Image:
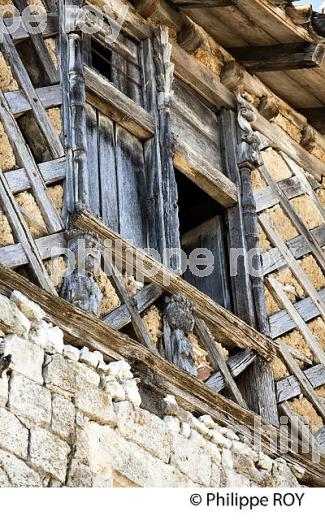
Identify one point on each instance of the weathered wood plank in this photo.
(14, 255)
(236, 364)
(50, 97)
(93, 159)
(19, 32)
(117, 106)
(306, 387)
(52, 172)
(273, 260)
(226, 326)
(292, 263)
(289, 387)
(282, 299)
(120, 317)
(294, 218)
(107, 173)
(23, 235)
(214, 350)
(41, 117)
(279, 57)
(82, 329)
(25, 158)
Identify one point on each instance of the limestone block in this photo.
(282, 476)
(60, 375)
(19, 474)
(3, 389)
(12, 320)
(217, 438)
(30, 400)
(215, 475)
(200, 427)
(71, 352)
(207, 421)
(33, 311)
(131, 391)
(120, 370)
(185, 430)
(229, 434)
(48, 337)
(245, 466)
(191, 459)
(264, 461)
(4, 480)
(27, 358)
(108, 449)
(115, 390)
(63, 417)
(229, 478)
(103, 368)
(13, 435)
(79, 475)
(92, 359)
(87, 373)
(227, 459)
(243, 449)
(143, 428)
(172, 423)
(95, 404)
(49, 453)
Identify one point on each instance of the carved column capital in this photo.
(248, 153)
(164, 67)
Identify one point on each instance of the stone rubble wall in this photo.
(69, 419)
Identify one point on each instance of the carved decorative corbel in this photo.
(164, 67)
(248, 148)
(178, 322)
(80, 287)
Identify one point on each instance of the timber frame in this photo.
(244, 134)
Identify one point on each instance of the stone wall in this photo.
(69, 419)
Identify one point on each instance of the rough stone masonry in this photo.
(69, 419)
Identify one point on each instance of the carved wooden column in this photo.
(257, 383)
(80, 286)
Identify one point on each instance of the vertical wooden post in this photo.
(79, 286)
(257, 383)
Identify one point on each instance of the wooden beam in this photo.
(227, 327)
(203, 174)
(286, 56)
(51, 171)
(281, 322)
(316, 117)
(18, 31)
(289, 387)
(116, 105)
(236, 364)
(14, 255)
(203, 4)
(83, 329)
(50, 97)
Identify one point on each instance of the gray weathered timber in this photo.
(240, 281)
(290, 387)
(26, 160)
(52, 172)
(228, 328)
(82, 329)
(14, 255)
(294, 218)
(298, 246)
(117, 106)
(306, 387)
(282, 299)
(195, 4)
(286, 56)
(209, 236)
(131, 186)
(41, 117)
(107, 173)
(92, 160)
(120, 317)
(126, 70)
(236, 364)
(214, 350)
(50, 97)
(20, 33)
(281, 322)
(292, 263)
(23, 235)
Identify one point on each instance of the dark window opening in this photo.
(101, 59)
(203, 238)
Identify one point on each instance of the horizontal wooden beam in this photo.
(204, 175)
(281, 323)
(316, 117)
(203, 4)
(50, 97)
(52, 172)
(286, 56)
(14, 255)
(227, 327)
(289, 387)
(110, 101)
(84, 329)
(18, 31)
(236, 364)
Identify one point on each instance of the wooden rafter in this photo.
(289, 387)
